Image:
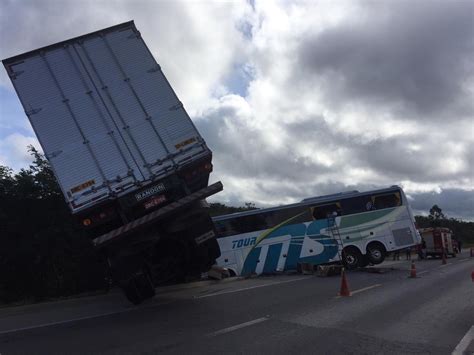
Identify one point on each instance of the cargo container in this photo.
(131, 164)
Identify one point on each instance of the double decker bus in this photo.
(359, 227)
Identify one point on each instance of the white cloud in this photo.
(14, 152)
(340, 95)
(195, 43)
(312, 127)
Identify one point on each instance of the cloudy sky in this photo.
(295, 99)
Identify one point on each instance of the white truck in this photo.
(132, 166)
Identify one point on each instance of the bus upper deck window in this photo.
(323, 212)
(356, 204)
(386, 201)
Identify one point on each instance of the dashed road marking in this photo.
(366, 288)
(51, 324)
(363, 289)
(238, 326)
(250, 288)
(464, 343)
(73, 320)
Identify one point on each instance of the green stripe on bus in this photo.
(351, 221)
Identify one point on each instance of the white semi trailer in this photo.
(131, 164)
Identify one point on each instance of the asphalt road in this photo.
(388, 313)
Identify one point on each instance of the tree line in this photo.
(44, 253)
(462, 230)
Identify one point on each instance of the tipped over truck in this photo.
(132, 166)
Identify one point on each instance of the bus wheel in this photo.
(351, 258)
(376, 253)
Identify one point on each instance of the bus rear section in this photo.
(362, 228)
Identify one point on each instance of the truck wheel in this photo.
(131, 292)
(170, 263)
(139, 288)
(351, 258)
(376, 253)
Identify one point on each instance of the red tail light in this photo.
(97, 217)
(200, 169)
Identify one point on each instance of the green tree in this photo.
(43, 252)
(436, 216)
(218, 209)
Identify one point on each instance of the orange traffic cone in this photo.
(472, 276)
(345, 292)
(443, 260)
(413, 270)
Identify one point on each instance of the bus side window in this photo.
(251, 223)
(322, 212)
(356, 205)
(386, 200)
(293, 215)
(224, 228)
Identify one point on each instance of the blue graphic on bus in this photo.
(323, 246)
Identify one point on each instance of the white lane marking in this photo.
(423, 272)
(44, 325)
(461, 260)
(464, 343)
(363, 289)
(250, 288)
(67, 321)
(238, 326)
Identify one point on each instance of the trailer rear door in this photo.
(104, 113)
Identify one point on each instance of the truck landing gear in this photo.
(139, 288)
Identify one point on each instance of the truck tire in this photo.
(131, 293)
(351, 258)
(139, 288)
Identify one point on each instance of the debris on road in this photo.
(218, 273)
(329, 270)
(306, 268)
